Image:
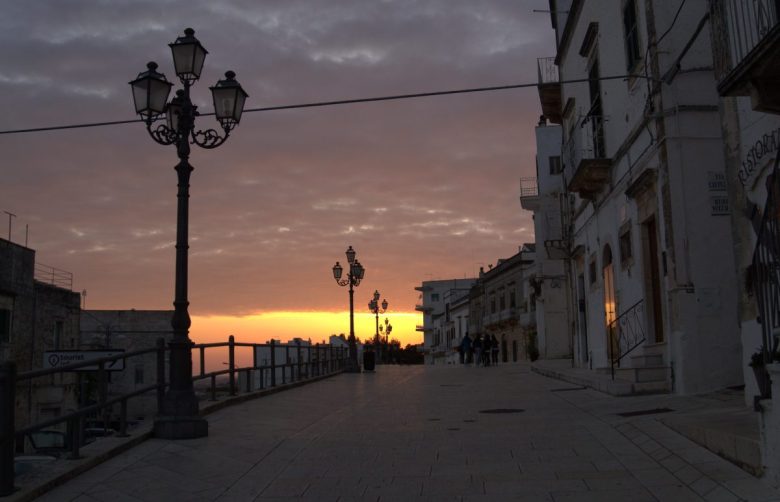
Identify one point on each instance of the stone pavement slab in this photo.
(425, 433)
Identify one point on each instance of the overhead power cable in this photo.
(331, 103)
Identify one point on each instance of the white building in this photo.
(547, 197)
(433, 307)
(746, 47)
(651, 243)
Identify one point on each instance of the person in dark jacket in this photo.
(494, 349)
(486, 346)
(465, 349)
(477, 350)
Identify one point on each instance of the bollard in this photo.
(213, 387)
(298, 357)
(273, 363)
(160, 373)
(232, 364)
(7, 408)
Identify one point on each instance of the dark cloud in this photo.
(422, 188)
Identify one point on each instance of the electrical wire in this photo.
(330, 103)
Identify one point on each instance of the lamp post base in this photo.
(181, 427)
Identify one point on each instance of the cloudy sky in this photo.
(423, 189)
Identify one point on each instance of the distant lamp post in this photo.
(354, 276)
(377, 308)
(179, 418)
(386, 330)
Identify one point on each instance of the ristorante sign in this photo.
(758, 157)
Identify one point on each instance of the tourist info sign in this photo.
(60, 358)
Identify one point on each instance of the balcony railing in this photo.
(549, 89)
(548, 71)
(53, 276)
(747, 33)
(748, 22)
(587, 164)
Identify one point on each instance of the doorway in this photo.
(610, 307)
(653, 282)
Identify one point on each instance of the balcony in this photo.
(422, 328)
(423, 288)
(549, 85)
(423, 308)
(587, 165)
(529, 194)
(749, 51)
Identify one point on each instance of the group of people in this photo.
(482, 350)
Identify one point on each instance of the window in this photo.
(555, 164)
(512, 299)
(434, 297)
(492, 304)
(631, 34)
(502, 302)
(5, 325)
(59, 328)
(626, 255)
(592, 275)
(139, 375)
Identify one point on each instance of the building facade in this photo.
(649, 232)
(547, 197)
(38, 313)
(432, 306)
(129, 330)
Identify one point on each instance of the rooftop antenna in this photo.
(10, 218)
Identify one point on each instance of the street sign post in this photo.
(60, 358)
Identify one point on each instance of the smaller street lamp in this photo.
(374, 306)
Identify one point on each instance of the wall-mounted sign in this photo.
(719, 205)
(716, 182)
(60, 358)
(758, 156)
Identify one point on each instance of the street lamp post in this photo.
(178, 418)
(374, 306)
(354, 276)
(386, 329)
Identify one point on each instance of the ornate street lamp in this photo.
(386, 330)
(178, 417)
(354, 276)
(374, 306)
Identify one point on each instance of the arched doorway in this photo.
(610, 307)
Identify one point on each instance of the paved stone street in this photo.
(422, 432)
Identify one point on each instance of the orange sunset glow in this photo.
(318, 326)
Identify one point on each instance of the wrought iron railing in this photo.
(528, 187)
(586, 141)
(626, 333)
(278, 368)
(548, 70)
(747, 22)
(765, 269)
(54, 276)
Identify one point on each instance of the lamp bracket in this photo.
(162, 134)
(209, 138)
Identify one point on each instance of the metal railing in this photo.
(54, 276)
(626, 333)
(586, 141)
(528, 187)
(548, 70)
(748, 22)
(279, 368)
(765, 269)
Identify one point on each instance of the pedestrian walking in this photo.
(477, 350)
(465, 348)
(486, 346)
(494, 349)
